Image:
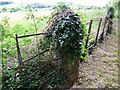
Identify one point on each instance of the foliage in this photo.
(8, 39)
(8, 33)
(4, 9)
(60, 6)
(84, 7)
(67, 32)
(14, 9)
(116, 5)
(110, 12)
(9, 47)
(8, 78)
(37, 5)
(37, 22)
(66, 35)
(6, 43)
(58, 79)
(4, 27)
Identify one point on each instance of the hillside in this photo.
(100, 70)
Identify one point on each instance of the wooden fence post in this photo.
(102, 34)
(89, 30)
(109, 26)
(98, 32)
(19, 55)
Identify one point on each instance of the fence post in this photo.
(89, 30)
(109, 26)
(102, 34)
(19, 55)
(98, 32)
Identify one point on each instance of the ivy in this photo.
(67, 32)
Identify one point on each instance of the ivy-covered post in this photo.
(67, 35)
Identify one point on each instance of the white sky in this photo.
(83, 2)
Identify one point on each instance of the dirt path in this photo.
(100, 70)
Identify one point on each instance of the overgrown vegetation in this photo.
(66, 34)
(116, 5)
(9, 52)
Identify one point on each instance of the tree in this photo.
(116, 5)
(4, 9)
(14, 9)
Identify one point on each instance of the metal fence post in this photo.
(98, 32)
(109, 26)
(89, 30)
(19, 55)
(104, 26)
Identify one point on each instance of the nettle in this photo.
(67, 33)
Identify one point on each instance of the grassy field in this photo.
(19, 17)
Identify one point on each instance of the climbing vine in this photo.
(67, 32)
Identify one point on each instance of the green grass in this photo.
(91, 14)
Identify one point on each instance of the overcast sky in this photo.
(100, 3)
